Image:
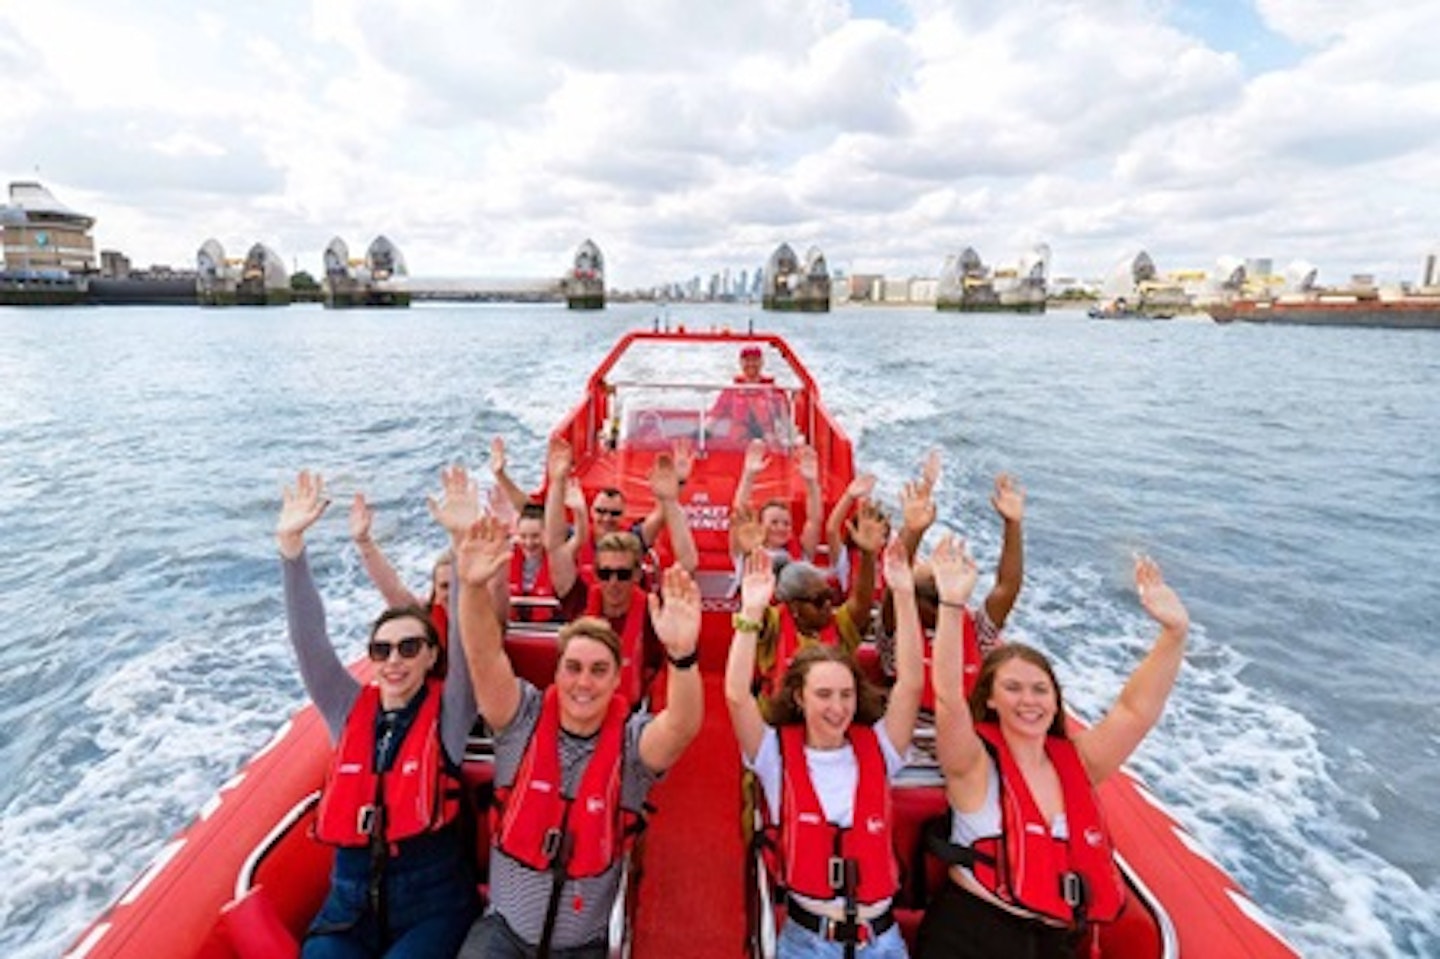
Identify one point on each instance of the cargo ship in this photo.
(1411, 311)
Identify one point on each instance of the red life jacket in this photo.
(541, 589)
(1029, 868)
(532, 819)
(419, 794)
(970, 637)
(632, 639)
(809, 843)
(787, 644)
(759, 406)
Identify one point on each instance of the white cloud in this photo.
(490, 139)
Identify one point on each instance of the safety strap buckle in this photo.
(550, 845)
(844, 931)
(1073, 890)
(365, 820)
(835, 869)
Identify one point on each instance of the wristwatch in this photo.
(684, 662)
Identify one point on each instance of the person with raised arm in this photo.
(607, 510)
(981, 624)
(401, 885)
(776, 523)
(824, 762)
(392, 588)
(1032, 868)
(573, 764)
(806, 612)
(837, 555)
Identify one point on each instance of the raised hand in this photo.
(301, 505)
(1008, 498)
(757, 584)
(501, 507)
(459, 502)
(558, 459)
(898, 574)
(749, 534)
(955, 570)
(807, 462)
(1159, 600)
(755, 458)
(574, 495)
(497, 455)
(361, 516)
(869, 528)
(682, 451)
(677, 618)
(861, 486)
(930, 470)
(483, 551)
(917, 507)
(664, 478)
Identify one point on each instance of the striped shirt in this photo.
(521, 894)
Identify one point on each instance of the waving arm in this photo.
(756, 588)
(1111, 741)
(676, 616)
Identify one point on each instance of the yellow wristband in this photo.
(743, 625)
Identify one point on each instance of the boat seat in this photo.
(533, 654)
(254, 929)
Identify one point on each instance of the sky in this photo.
(490, 139)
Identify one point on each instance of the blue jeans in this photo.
(430, 900)
(797, 942)
(492, 938)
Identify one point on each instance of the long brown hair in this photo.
(783, 707)
(980, 712)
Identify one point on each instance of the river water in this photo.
(1288, 479)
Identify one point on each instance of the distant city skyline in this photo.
(890, 133)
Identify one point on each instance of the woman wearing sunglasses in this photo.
(401, 885)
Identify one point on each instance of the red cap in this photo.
(750, 351)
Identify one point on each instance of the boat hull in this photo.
(1396, 314)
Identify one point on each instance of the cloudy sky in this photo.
(684, 136)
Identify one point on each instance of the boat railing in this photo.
(245, 878)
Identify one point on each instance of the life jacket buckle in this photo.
(365, 820)
(1074, 890)
(550, 845)
(836, 872)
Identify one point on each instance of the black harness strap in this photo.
(559, 844)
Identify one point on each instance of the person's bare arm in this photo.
(392, 589)
(808, 463)
(756, 588)
(1110, 742)
(481, 555)
(675, 614)
(904, 703)
(503, 482)
(957, 745)
(860, 487)
(1009, 501)
(559, 551)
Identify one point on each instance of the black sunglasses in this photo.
(622, 573)
(819, 599)
(409, 648)
(602, 511)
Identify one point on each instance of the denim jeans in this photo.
(797, 942)
(431, 903)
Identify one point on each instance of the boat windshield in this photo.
(662, 392)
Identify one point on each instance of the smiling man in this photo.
(573, 765)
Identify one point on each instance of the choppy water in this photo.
(1287, 478)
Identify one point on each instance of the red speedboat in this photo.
(245, 877)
